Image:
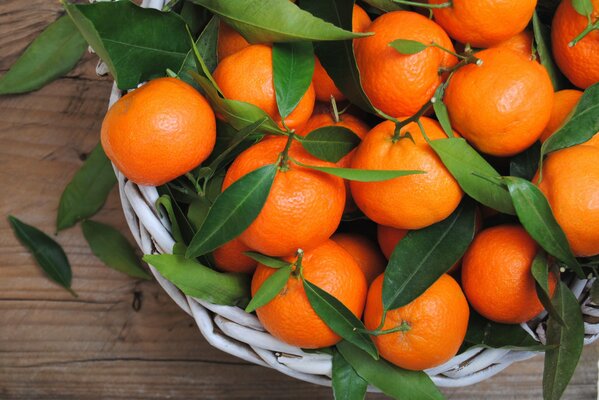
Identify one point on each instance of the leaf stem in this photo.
(424, 5)
(403, 327)
(469, 59)
(590, 27)
(298, 271)
(453, 53)
(284, 158)
(414, 118)
(335, 112)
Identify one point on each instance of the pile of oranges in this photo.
(501, 104)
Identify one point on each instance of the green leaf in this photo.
(237, 113)
(540, 271)
(360, 175)
(473, 173)
(271, 262)
(561, 361)
(137, 44)
(595, 292)
(165, 202)
(265, 21)
(526, 164)
(488, 334)
(87, 192)
(112, 248)
(441, 111)
(197, 212)
(582, 125)
(338, 57)
(347, 384)
(542, 37)
(424, 255)
(535, 214)
(206, 46)
(270, 288)
(393, 381)
(330, 143)
(197, 280)
(405, 46)
(385, 5)
(51, 55)
(233, 211)
(583, 7)
(341, 320)
(293, 68)
(47, 253)
(176, 215)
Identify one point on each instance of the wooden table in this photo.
(97, 346)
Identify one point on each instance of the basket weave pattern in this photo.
(232, 330)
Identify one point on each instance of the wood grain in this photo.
(97, 346)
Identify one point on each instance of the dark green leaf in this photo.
(347, 384)
(233, 211)
(360, 175)
(441, 111)
(197, 280)
(405, 46)
(137, 44)
(526, 164)
(270, 288)
(540, 271)
(88, 190)
(568, 340)
(393, 381)
(293, 68)
(341, 320)
(385, 5)
(51, 55)
(197, 211)
(535, 214)
(265, 21)
(424, 255)
(195, 17)
(206, 46)
(112, 248)
(337, 57)
(595, 292)
(164, 201)
(542, 36)
(330, 143)
(473, 173)
(582, 125)
(583, 7)
(271, 262)
(184, 226)
(47, 253)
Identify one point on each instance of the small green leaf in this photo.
(393, 381)
(583, 7)
(471, 171)
(582, 125)
(595, 292)
(535, 214)
(271, 262)
(265, 21)
(542, 37)
(360, 175)
(385, 5)
(526, 164)
(206, 46)
(197, 280)
(424, 255)
(568, 340)
(405, 46)
(540, 271)
(47, 253)
(441, 111)
(112, 248)
(233, 211)
(347, 384)
(184, 226)
(165, 202)
(51, 55)
(330, 143)
(341, 320)
(197, 212)
(270, 288)
(87, 192)
(293, 68)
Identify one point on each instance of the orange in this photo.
(484, 23)
(365, 252)
(571, 185)
(564, 102)
(395, 83)
(290, 317)
(229, 257)
(580, 63)
(435, 325)
(520, 43)
(407, 202)
(323, 84)
(158, 132)
(304, 206)
(247, 76)
(501, 106)
(496, 275)
(229, 41)
(388, 238)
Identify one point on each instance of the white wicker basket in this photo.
(240, 334)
